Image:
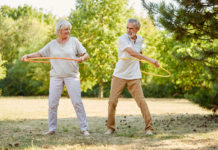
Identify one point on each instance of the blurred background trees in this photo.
(193, 24)
(24, 30)
(182, 36)
(98, 24)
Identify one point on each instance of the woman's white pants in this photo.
(74, 91)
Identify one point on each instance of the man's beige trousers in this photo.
(135, 89)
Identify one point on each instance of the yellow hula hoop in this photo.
(157, 75)
(33, 59)
(148, 73)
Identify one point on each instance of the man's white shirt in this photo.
(126, 68)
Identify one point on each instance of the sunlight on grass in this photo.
(23, 120)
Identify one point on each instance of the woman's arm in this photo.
(84, 57)
(32, 55)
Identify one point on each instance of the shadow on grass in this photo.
(27, 133)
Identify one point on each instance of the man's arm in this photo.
(133, 53)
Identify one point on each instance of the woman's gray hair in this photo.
(61, 25)
(135, 21)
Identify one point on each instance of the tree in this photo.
(16, 31)
(194, 24)
(19, 36)
(26, 11)
(98, 24)
(2, 69)
(158, 46)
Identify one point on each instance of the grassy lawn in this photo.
(178, 124)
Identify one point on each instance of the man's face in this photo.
(131, 29)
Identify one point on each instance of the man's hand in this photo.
(133, 53)
(155, 62)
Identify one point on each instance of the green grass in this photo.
(22, 121)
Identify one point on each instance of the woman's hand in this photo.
(80, 60)
(24, 57)
(84, 57)
(32, 55)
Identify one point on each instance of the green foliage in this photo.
(19, 30)
(19, 80)
(19, 37)
(194, 25)
(2, 68)
(98, 24)
(26, 12)
(7, 40)
(188, 19)
(191, 56)
(2, 71)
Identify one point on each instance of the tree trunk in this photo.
(101, 89)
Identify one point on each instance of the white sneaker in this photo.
(86, 133)
(148, 132)
(109, 131)
(49, 133)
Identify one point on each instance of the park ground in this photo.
(178, 124)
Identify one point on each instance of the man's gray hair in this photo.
(61, 25)
(135, 21)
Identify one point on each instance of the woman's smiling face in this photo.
(65, 32)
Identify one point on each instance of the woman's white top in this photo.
(71, 49)
(128, 69)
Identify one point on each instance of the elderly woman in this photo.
(64, 72)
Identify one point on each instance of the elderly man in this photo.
(127, 72)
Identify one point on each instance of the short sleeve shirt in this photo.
(128, 69)
(71, 49)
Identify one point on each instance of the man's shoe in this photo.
(148, 132)
(109, 131)
(86, 133)
(49, 133)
